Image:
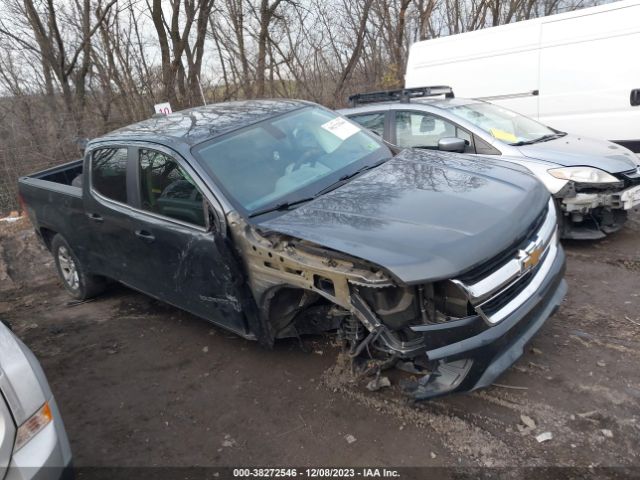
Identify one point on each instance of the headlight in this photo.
(33, 425)
(583, 175)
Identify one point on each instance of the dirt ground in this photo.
(140, 383)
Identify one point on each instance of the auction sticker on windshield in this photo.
(341, 128)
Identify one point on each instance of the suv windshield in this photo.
(288, 158)
(503, 124)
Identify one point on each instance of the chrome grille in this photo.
(506, 288)
(496, 262)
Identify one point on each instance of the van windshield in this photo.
(289, 158)
(503, 124)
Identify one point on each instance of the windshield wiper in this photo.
(281, 206)
(343, 179)
(544, 138)
(553, 136)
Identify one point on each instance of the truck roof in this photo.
(195, 125)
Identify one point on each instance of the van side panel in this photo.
(484, 63)
(583, 64)
(588, 67)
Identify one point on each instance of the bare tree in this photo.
(68, 61)
(180, 86)
(267, 14)
(82, 67)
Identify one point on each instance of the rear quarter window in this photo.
(109, 173)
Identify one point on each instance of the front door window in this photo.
(168, 190)
(424, 130)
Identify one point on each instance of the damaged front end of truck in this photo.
(452, 334)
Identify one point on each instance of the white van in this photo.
(577, 71)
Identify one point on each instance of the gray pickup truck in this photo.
(281, 218)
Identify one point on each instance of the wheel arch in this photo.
(47, 234)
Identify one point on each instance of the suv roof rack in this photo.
(402, 95)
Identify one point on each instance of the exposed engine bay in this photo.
(301, 288)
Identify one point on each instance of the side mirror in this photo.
(81, 142)
(452, 144)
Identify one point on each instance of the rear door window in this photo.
(109, 173)
(167, 190)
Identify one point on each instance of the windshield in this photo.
(503, 124)
(288, 158)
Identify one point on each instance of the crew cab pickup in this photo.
(281, 218)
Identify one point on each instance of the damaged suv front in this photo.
(441, 265)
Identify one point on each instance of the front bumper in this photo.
(591, 215)
(476, 361)
(583, 202)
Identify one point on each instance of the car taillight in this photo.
(33, 425)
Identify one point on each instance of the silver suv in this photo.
(33, 441)
(594, 182)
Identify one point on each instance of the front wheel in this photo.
(75, 279)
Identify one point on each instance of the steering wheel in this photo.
(309, 147)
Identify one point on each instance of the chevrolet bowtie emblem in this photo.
(530, 260)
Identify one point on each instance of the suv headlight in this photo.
(583, 175)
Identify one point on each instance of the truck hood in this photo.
(423, 215)
(572, 150)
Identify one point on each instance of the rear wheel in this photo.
(75, 279)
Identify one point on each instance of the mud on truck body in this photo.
(278, 219)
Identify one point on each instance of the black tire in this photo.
(74, 276)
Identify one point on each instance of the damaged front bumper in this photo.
(591, 212)
(468, 362)
(506, 303)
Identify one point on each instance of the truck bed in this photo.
(52, 203)
(57, 179)
(63, 174)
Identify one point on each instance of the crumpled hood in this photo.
(422, 215)
(573, 150)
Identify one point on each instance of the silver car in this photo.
(33, 441)
(594, 182)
